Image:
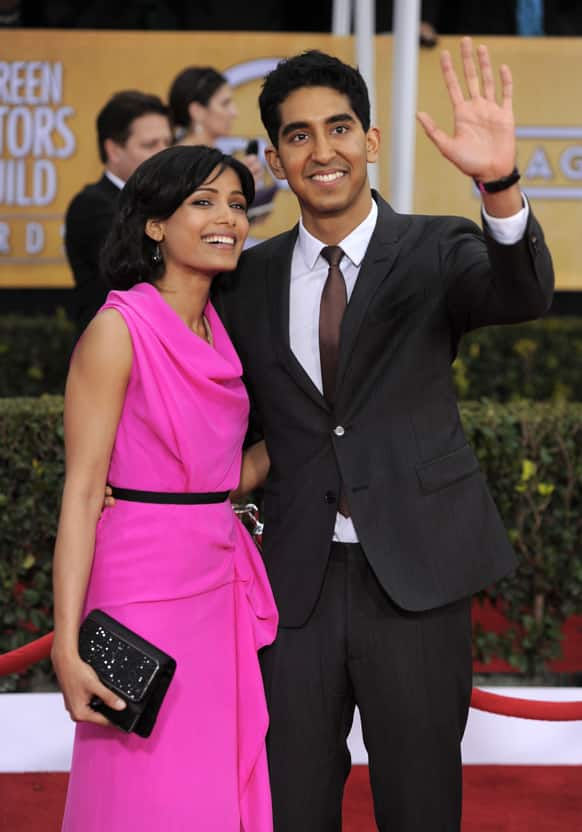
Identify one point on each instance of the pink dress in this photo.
(189, 579)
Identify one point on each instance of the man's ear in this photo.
(112, 150)
(274, 163)
(155, 230)
(373, 144)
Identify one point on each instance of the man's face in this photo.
(148, 134)
(323, 153)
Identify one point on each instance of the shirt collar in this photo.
(354, 245)
(119, 183)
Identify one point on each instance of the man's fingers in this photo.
(469, 68)
(506, 86)
(451, 80)
(486, 73)
(427, 122)
(433, 131)
(108, 499)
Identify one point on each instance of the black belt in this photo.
(169, 497)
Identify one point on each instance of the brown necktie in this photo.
(334, 300)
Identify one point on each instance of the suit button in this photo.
(330, 497)
(339, 430)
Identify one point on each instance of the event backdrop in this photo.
(52, 83)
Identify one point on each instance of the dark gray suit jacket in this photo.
(419, 502)
(88, 220)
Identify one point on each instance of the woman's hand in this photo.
(79, 683)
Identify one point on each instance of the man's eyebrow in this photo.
(294, 125)
(303, 125)
(339, 117)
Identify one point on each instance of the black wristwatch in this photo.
(498, 185)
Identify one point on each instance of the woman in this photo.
(202, 110)
(155, 402)
(202, 107)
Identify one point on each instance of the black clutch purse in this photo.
(134, 668)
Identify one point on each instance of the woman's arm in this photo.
(94, 397)
(255, 467)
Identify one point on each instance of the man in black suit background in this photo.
(131, 127)
(378, 522)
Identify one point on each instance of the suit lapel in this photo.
(278, 287)
(375, 269)
(108, 187)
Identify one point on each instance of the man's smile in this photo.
(327, 177)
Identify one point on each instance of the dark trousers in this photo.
(410, 676)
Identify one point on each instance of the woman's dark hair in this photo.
(311, 69)
(196, 83)
(155, 190)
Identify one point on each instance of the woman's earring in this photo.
(157, 255)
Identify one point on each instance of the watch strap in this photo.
(497, 185)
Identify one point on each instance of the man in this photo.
(378, 523)
(131, 127)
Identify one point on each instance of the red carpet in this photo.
(497, 799)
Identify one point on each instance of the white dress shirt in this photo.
(119, 183)
(308, 274)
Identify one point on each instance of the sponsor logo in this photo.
(550, 160)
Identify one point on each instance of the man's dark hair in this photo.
(155, 190)
(311, 69)
(115, 118)
(196, 83)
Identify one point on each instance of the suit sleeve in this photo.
(87, 224)
(224, 299)
(489, 283)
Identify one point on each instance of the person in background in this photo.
(203, 110)
(428, 25)
(131, 127)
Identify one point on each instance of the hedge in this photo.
(34, 354)
(31, 481)
(540, 360)
(530, 453)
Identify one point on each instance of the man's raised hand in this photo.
(483, 141)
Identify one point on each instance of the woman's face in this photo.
(207, 232)
(220, 113)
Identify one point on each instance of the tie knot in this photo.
(333, 254)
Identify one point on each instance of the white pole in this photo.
(365, 29)
(341, 23)
(405, 31)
